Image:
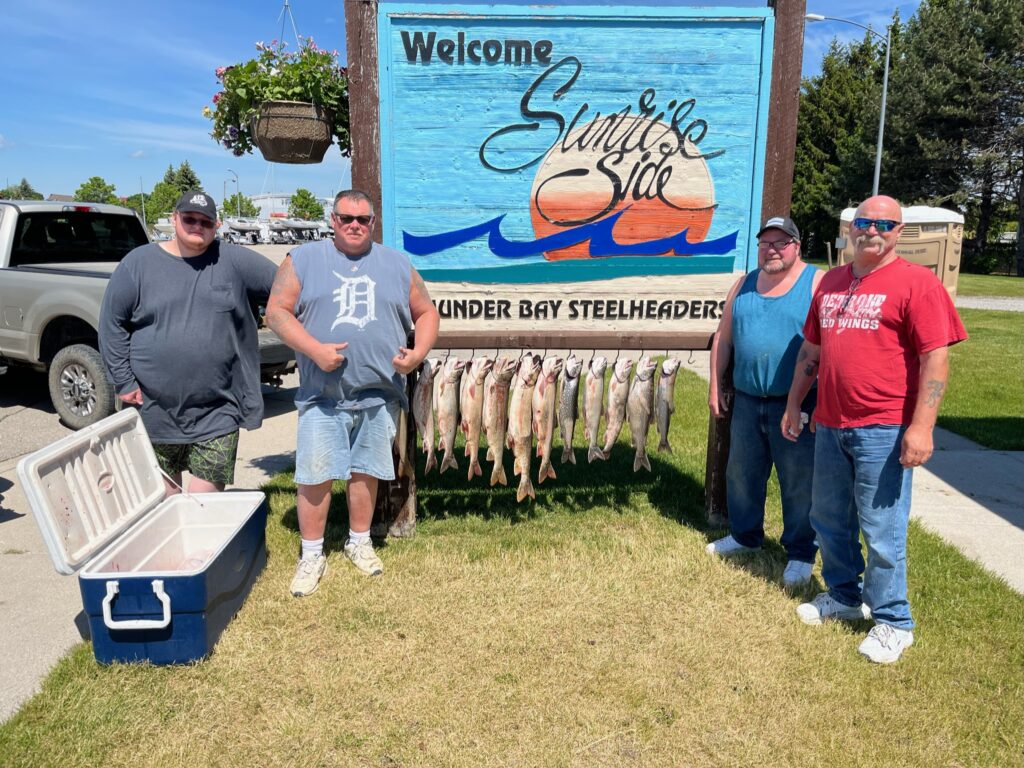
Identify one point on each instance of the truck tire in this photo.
(79, 388)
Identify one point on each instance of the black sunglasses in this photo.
(191, 221)
(344, 218)
(882, 225)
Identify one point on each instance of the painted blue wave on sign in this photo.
(599, 233)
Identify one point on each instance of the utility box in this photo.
(931, 237)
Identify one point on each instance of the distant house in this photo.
(61, 198)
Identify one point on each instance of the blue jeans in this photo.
(332, 443)
(861, 487)
(755, 443)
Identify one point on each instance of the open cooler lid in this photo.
(86, 489)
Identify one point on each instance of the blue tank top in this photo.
(767, 332)
(363, 301)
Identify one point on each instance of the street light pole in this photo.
(885, 86)
(238, 193)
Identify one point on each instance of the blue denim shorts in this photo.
(333, 443)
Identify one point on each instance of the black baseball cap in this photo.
(783, 223)
(197, 201)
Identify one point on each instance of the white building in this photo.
(275, 205)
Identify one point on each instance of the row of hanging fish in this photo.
(512, 402)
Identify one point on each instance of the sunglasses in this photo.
(778, 245)
(344, 219)
(191, 221)
(881, 225)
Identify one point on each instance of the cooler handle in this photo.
(158, 590)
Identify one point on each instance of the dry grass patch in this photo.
(590, 629)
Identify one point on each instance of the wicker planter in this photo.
(292, 131)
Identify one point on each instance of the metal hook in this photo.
(690, 361)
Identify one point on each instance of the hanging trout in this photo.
(496, 414)
(568, 405)
(618, 391)
(423, 409)
(472, 410)
(520, 422)
(593, 406)
(448, 410)
(640, 406)
(665, 401)
(544, 398)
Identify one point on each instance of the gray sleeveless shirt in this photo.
(363, 301)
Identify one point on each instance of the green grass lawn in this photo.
(972, 285)
(587, 629)
(989, 285)
(985, 397)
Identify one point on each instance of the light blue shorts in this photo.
(334, 443)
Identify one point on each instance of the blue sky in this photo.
(116, 88)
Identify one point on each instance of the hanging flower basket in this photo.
(292, 131)
(269, 102)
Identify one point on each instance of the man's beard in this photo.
(775, 266)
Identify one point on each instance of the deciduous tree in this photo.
(96, 190)
(304, 205)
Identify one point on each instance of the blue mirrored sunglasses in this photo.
(882, 225)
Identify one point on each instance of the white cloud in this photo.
(138, 153)
(3, 141)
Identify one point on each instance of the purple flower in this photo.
(237, 152)
(228, 143)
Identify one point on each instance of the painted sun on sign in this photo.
(625, 183)
(642, 170)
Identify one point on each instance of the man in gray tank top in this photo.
(346, 306)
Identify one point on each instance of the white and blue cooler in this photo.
(160, 579)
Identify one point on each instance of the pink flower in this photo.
(220, 71)
(216, 97)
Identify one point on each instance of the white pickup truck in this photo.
(55, 261)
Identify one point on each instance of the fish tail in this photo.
(498, 475)
(663, 446)
(525, 488)
(595, 452)
(641, 460)
(448, 461)
(568, 454)
(431, 462)
(490, 453)
(545, 471)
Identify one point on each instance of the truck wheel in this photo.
(79, 388)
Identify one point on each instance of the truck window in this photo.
(74, 237)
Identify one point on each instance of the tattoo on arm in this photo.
(286, 286)
(418, 284)
(933, 392)
(811, 369)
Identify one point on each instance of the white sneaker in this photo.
(308, 574)
(728, 546)
(885, 643)
(364, 558)
(825, 608)
(797, 573)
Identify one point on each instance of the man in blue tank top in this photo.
(762, 328)
(346, 306)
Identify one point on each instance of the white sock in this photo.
(358, 538)
(312, 548)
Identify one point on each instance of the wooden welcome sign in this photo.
(588, 168)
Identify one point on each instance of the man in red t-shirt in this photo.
(877, 338)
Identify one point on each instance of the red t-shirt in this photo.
(871, 341)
